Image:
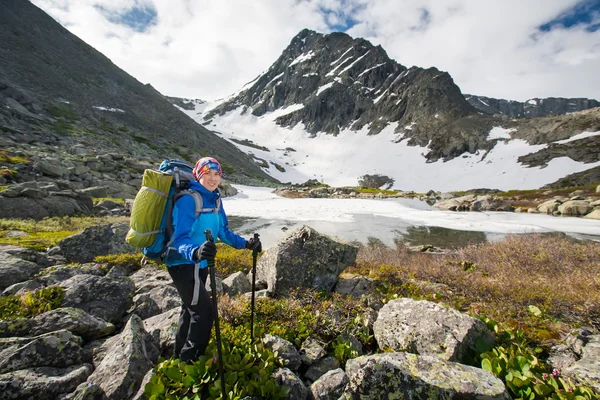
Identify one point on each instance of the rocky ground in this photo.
(114, 323)
(558, 202)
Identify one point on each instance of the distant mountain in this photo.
(531, 108)
(57, 90)
(331, 101)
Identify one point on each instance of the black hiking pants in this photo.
(196, 316)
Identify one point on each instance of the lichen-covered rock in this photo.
(156, 301)
(74, 320)
(354, 285)
(102, 296)
(284, 349)
(549, 207)
(286, 378)
(127, 362)
(162, 328)
(44, 383)
(311, 351)
(237, 283)
(586, 370)
(56, 349)
(98, 240)
(423, 327)
(304, 259)
(409, 376)
(330, 386)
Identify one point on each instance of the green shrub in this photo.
(7, 158)
(31, 303)
(518, 365)
(248, 372)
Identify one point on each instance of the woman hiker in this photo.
(190, 252)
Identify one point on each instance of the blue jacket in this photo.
(188, 231)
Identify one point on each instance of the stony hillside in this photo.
(531, 108)
(64, 101)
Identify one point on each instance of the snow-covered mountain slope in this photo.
(293, 155)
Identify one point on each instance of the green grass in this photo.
(49, 231)
(363, 189)
(97, 200)
(30, 304)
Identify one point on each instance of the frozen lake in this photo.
(409, 220)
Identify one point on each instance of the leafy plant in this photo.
(524, 374)
(31, 304)
(248, 372)
(343, 350)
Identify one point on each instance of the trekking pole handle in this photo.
(255, 252)
(209, 235)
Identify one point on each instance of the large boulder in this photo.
(155, 301)
(43, 383)
(237, 283)
(56, 349)
(409, 376)
(99, 240)
(304, 259)
(575, 208)
(102, 296)
(124, 366)
(426, 328)
(163, 327)
(74, 320)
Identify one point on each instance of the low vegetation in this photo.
(40, 235)
(30, 304)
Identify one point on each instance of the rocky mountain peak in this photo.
(337, 82)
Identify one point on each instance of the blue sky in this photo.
(512, 49)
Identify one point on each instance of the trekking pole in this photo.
(254, 255)
(213, 288)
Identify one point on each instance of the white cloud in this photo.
(209, 49)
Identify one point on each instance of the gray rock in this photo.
(321, 367)
(103, 297)
(586, 371)
(44, 383)
(286, 350)
(50, 168)
(575, 208)
(85, 391)
(148, 278)
(96, 241)
(311, 351)
(426, 328)
(404, 375)
(304, 259)
(237, 283)
(56, 349)
(330, 386)
(95, 191)
(286, 378)
(14, 269)
(354, 285)
(156, 301)
(549, 207)
(593, 215)
(127, 362)
(162, 327)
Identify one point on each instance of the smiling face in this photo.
(210, 180)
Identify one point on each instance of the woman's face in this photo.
(210, 180)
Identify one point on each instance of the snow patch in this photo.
(303, 57)
(577, 137)
(110, 109)
(499, 132)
